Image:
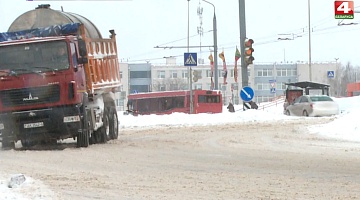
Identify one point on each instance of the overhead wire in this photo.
(295, 33)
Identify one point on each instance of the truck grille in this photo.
(30, 96)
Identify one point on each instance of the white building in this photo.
(263, 78)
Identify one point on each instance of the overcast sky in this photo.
(142, 24)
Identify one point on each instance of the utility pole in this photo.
(337, 77)
(216, 74)
(244, 70)
(190, 69)
(310, 76)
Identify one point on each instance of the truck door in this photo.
(78, 69)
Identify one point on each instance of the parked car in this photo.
(313, 105)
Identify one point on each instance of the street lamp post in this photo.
(190, 70)
(310, 77)
(337, 89)
(215, 49)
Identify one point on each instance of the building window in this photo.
(184, 74)
(231, 73)
(173, 74)
(280, 86)
(198, 86)
(174, 86)
(263, 86)
(121, 75)
(208, 73)
(260, 99)
(185, 87)
(161, 74)
(266, 86)
(281, 72)
(162, 87)
(234, 86)
(222, 86)
(140, 74)
(259, 73)
(265, 72)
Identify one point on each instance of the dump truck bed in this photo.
(102, 69)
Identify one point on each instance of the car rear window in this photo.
(321, 98)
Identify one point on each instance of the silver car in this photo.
(313, 105)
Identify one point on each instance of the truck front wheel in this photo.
(7, 144)
(104, 131)
(83, 137)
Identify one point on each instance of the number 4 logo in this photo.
(344, 10)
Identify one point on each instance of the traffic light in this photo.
(196, 75)
(248, 51)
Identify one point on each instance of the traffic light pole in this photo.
(244, 70)
(216, 74)
(190, 70)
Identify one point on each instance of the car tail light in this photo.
(311, 105)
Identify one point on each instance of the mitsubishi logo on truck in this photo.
(30, 98)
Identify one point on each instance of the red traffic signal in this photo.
(249, 42)
(248, 51)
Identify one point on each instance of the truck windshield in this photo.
(34, 57)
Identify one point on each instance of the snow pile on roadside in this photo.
(29, 190)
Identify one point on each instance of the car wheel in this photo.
(305, 113)
(287, 112)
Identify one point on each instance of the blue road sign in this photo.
(190, 59)
(330, 74)
(247, 93)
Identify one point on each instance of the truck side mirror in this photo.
(82, 48)
(82, 52)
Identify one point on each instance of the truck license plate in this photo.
(34, 125)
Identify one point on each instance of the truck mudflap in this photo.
(43, 124)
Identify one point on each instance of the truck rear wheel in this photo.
(7, 141)
(114, 124)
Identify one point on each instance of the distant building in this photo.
(267, 80)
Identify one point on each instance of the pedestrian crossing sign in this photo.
(190, 59)
(330, 74)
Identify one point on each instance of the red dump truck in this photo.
(58, 79)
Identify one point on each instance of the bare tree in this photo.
(170, 84)
(349, 74)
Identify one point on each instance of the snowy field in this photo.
(345, 126)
